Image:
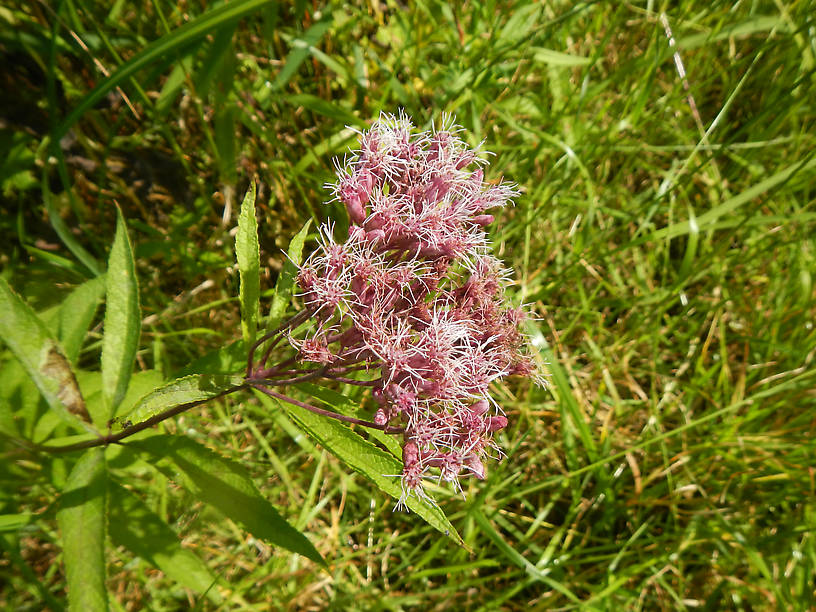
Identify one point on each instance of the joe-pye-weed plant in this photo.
(238, 419)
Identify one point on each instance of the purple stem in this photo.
(296, 319)
(327, 413)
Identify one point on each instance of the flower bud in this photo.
(410, 454)
(476, 467)
(495, 423)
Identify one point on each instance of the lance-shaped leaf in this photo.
(81, 519)
(76, 313)
(338, 402)
(136, 527)
(380, 467)
(286, 279)
(42, 358)
(247, 251)
(179, 392)
(226, 360)
(122, 319)
(225, 485)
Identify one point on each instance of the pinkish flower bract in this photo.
(414, 297)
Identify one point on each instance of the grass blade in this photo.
(81, 519)
(557, 58)
(709, 218)
(164, 47)
(518, 559)
(122, 319)
(572, 417)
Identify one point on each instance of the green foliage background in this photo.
(664, 238)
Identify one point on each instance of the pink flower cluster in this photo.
(414, 294)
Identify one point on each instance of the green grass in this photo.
(668, 255)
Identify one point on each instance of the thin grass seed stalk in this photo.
(414, 299)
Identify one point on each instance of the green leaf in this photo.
(286, 279)
(76, 313)
(172, 86)
(219, 52)
(378, 466)
(556, 58)
(226, 144)
(300, 51)
(42, 358)
(249, 266)
(136, 527)
(62, 230)
(736, 29)
(345, 405)
(81, 519)
(227, 486)
(122, 319)
(194, 388)
(517, 558)
(334, 110)
(12, 522)
(166, 46)
(228, 360)
(574, 423)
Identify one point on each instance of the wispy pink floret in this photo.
(414, 295)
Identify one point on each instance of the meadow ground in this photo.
(664, 238)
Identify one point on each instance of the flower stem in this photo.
(127, 431)
(327, 413)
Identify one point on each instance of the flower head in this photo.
(415, 295)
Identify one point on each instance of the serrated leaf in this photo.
(247, 251)
(76, 313)
(194, 388)
(123, 323)
(41, 357)
(227, 486)
(362, 456)
(345, 405)
(136, 527)
(81, 519)
(286, 279)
